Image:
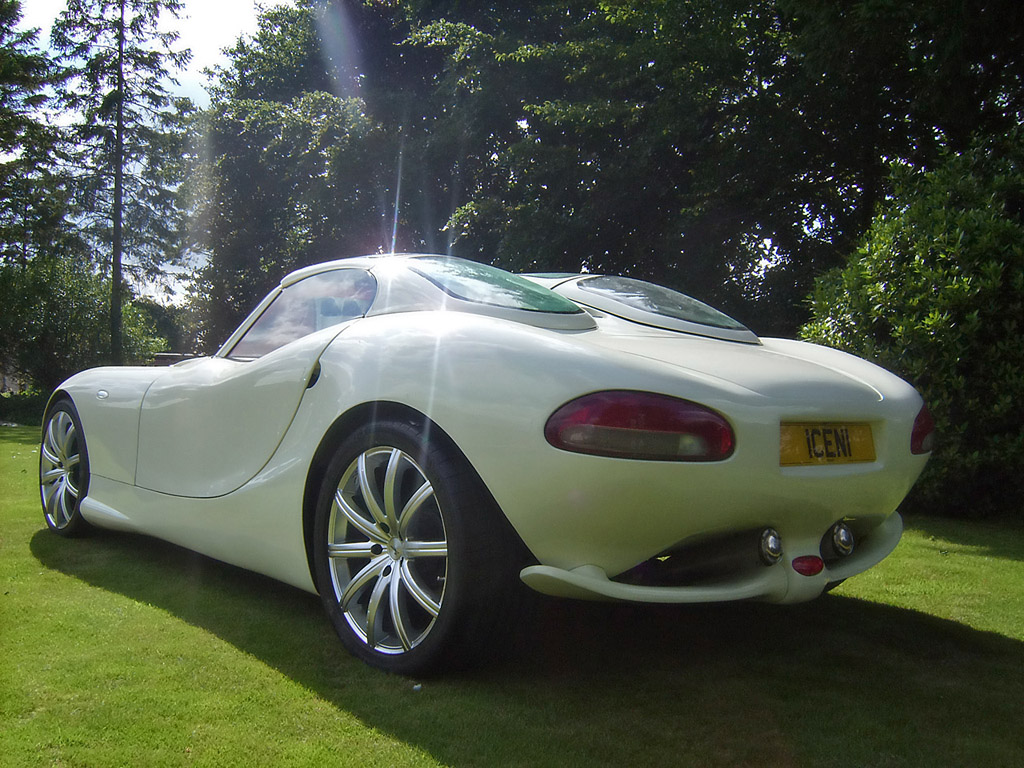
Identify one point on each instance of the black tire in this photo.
(63, 470)
(420, 592)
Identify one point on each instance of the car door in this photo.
(208, 426)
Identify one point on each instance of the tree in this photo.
(735, 149)
(280, 61)
(32, 195)
(310, 124)
(936, 294)
(24, 74)
(31, 205)
(125, 142)
(290, 185)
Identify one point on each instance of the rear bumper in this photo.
(778, 583)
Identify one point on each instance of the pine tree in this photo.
(127, 135)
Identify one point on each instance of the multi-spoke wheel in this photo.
(411, 555)
(388, 550)
(63, 470)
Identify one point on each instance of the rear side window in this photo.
(484, 284)
(308, 306)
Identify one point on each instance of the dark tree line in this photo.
(733, 149)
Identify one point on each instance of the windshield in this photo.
(484, 284)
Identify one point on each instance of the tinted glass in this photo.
(658, 300)
(307, 306)
(483, 284)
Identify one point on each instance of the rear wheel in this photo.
(63, 470)
(414, 560)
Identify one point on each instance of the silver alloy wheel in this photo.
(387, 550)
(60, 469)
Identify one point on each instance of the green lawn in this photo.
(120, 650)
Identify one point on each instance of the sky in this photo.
(206, 26)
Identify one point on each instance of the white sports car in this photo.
(413, 436)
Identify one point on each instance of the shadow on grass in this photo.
(20, 435)
(835, 682)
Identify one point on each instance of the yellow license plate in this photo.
(810, 444)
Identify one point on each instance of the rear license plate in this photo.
(809, 444)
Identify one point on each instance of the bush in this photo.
(936, 294)
(55, 322)
(22, 408)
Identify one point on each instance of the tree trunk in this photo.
(116, 353)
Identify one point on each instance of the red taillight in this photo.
(923, 437)
(640, 425)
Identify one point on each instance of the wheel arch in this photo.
(367, 413)
(58, 395)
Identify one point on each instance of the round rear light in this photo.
(808, 565)
(640, 425)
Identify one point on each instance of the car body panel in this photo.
(245, 528)
(775, 584)
(771, 370)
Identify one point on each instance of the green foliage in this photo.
(734, 149)
(32, 199)
(167, 321)
(281, 60)
(936, 293)
(54, 322)
(320, 142)
(24, 74)
(23, 407)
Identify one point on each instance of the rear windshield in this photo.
(483, 284)
(648, 297)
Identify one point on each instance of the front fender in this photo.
(108, 401)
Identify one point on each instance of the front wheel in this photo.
(63, 470)
(414, 560)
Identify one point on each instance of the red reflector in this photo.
(808, 565)
(640, 425)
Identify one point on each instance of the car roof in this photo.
(452, 283)
(366, 262)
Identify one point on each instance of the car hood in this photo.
(779, 369)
